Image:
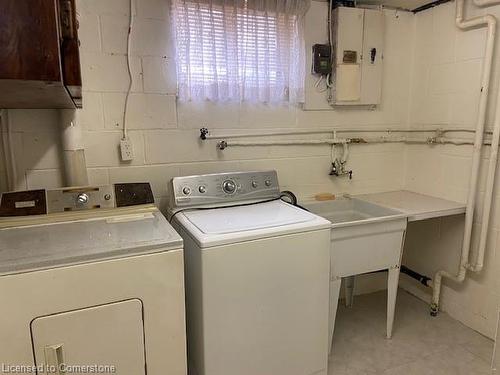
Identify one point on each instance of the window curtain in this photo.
(240, 50)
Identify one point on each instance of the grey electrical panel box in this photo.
(358, 56)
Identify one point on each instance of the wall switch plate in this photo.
(126, 149)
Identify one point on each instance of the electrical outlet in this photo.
(126, 149)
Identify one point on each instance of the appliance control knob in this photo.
(254, 184)
(229, 186)
(268, 183)
(82, 199)
(202, 189)
(186, 190)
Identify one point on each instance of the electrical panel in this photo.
(322, 63)
(358, 36)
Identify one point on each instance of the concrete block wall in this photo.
(431, 78)
(444, 93)
(165, 132)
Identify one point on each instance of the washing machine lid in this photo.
(212, 227)
(50, 245)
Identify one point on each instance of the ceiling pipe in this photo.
(483, 3)
(490, 22)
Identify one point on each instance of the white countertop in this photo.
(417, 206)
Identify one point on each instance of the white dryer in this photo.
(257, 277)
(91, 281)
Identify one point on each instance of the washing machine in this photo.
(257, 276)
(91, 281)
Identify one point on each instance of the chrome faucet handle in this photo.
(335, 169)
(338, 169)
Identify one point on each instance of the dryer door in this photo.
(101, 339)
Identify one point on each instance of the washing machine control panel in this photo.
(221, 188)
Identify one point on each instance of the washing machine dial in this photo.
(186, 190)
(229, 187)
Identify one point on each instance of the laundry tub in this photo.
(365, 237)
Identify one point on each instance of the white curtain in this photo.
(240, 50)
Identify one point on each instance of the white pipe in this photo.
(489, 21)
(344, 142)
(289, 142)
(12, 156)
(330, 130)
(482, 3)
(5, 148)
(345, 150)
(9, 156)
(488, 195)
(492, 166)
(345, 154)
(75, 168)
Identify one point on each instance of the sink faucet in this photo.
(338, 169)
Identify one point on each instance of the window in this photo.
(240, 50)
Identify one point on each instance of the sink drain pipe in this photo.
(490, 22)
(422, 279)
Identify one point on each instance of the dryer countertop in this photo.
(49, 245)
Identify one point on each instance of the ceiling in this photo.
(404, 4)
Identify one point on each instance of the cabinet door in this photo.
(106, 335)
(29, 43)
(349, 37)
(40, 64)
(70, 55)
(373, 50)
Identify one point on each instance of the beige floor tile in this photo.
(420, 345)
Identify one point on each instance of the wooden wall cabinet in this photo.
(39, 57)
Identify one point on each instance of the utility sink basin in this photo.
(352, 211)
(365, 237)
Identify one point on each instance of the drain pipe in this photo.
(8, 148)
(488, 195)
(75, 167)
(490, 22)
(492, 166)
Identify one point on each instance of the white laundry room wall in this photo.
(444, 93)
(165, 133)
